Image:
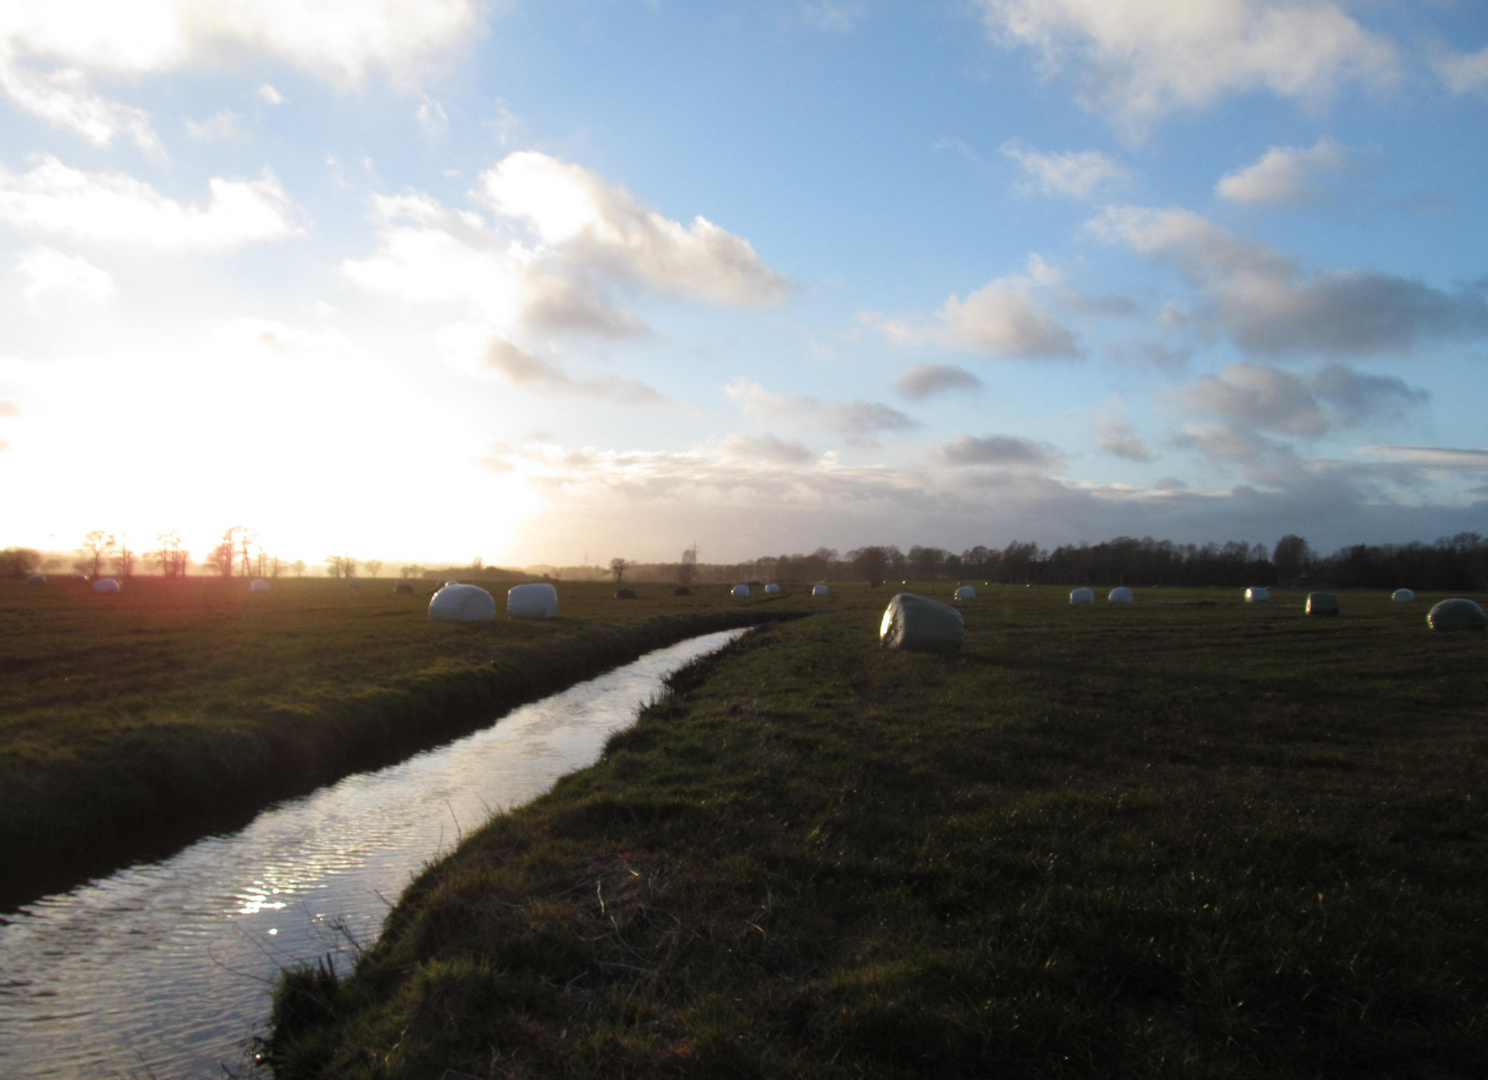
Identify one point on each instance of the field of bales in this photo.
(134, 722)
(1185, 837)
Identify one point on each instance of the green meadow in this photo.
(1188, 837)
(135, 722)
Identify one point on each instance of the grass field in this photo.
(133, 722)
(1186, 838)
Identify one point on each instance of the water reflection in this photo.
(163, 969)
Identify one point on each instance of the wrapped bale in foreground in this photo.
(739, 590)
(1257, 595)
(1082, 596)
(1403, 596)
(916, 624)
(965, 592)
(1322, 603)
(105, 585)
(258, 584)
(537, 600)
(1456, 614)
(462, 603)
(36, 579)
(818, 590)
(1120, 595)
(772, 588)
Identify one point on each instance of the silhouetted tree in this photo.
(618, 566)
(94, 550)
(373, 566)
(687, 570)
(19, 562)
(1292, 558)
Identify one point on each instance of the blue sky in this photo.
(605, 277)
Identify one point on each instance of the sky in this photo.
(562, 281)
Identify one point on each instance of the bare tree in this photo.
(687, 571)
(298, 567)
(169, 556)
(19, 562)
(373, 566)
(335, 565)
(412, 571)
(618, 566)
(94, 550)
(223, 555)
(124, 555)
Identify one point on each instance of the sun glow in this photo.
(296, 435)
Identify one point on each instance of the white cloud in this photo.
(1142, 58)
(519, 367)
(836, 15)
(770, 449)
(858, 421)
(52, 276)
(1073, 173)
(225, 126)
(116, 208)
(591, 222)
(340, 40)
(1284, 174)
(270, 96)
(1002, 318)
(431, 116)
(922, 380)
(1002, 451)
(62, 99)
(1464, 72)
(1264, 301)
(1436, 457)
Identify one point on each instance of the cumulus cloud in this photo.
(1121, 440)
(1284, 175)
(52, 276)
(1003, 451)
(115, 208)
(770, 449)
(1261, 397)
(1265, 302)
(270, 96)
(1002, 318)
(923, 380)
(580, 238)
(519, 367)
(1143, 58)
(63, 99)
(341, 40)
(577, 213)
(858, 421)
(1463, 72)
(1075, 173)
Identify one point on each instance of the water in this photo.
(163, 969)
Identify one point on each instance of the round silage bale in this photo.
(1257, 595)
(1403, 596)
(739, 590)
(462, 603)
(625, 594)
(965, 592)
(917, 624)
(536, 600)
(402, 587)
(1082, 596)
(106, 585)
(772, 588)
(1456, 614)
(258, 584)
(681, 590)
(818, 590)
(36, 579)
(1120, 595)
(1322, 603)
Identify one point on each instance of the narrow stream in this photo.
(163, 969)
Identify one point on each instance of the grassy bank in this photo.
(1186, 838)
(135, 722)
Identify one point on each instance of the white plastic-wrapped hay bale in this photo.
(537, 600)
(106, 585)
(916, 624)
(965, 592)
(258, 584)
(772, 588)
(1403, 596)
(1119, 595)
(402, 587)
(36, 579)
(462, 603)
(818, 590)
(1257, 595)
(1082, 596)
(739, 590)
(1456, 614)
(1322, 603)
